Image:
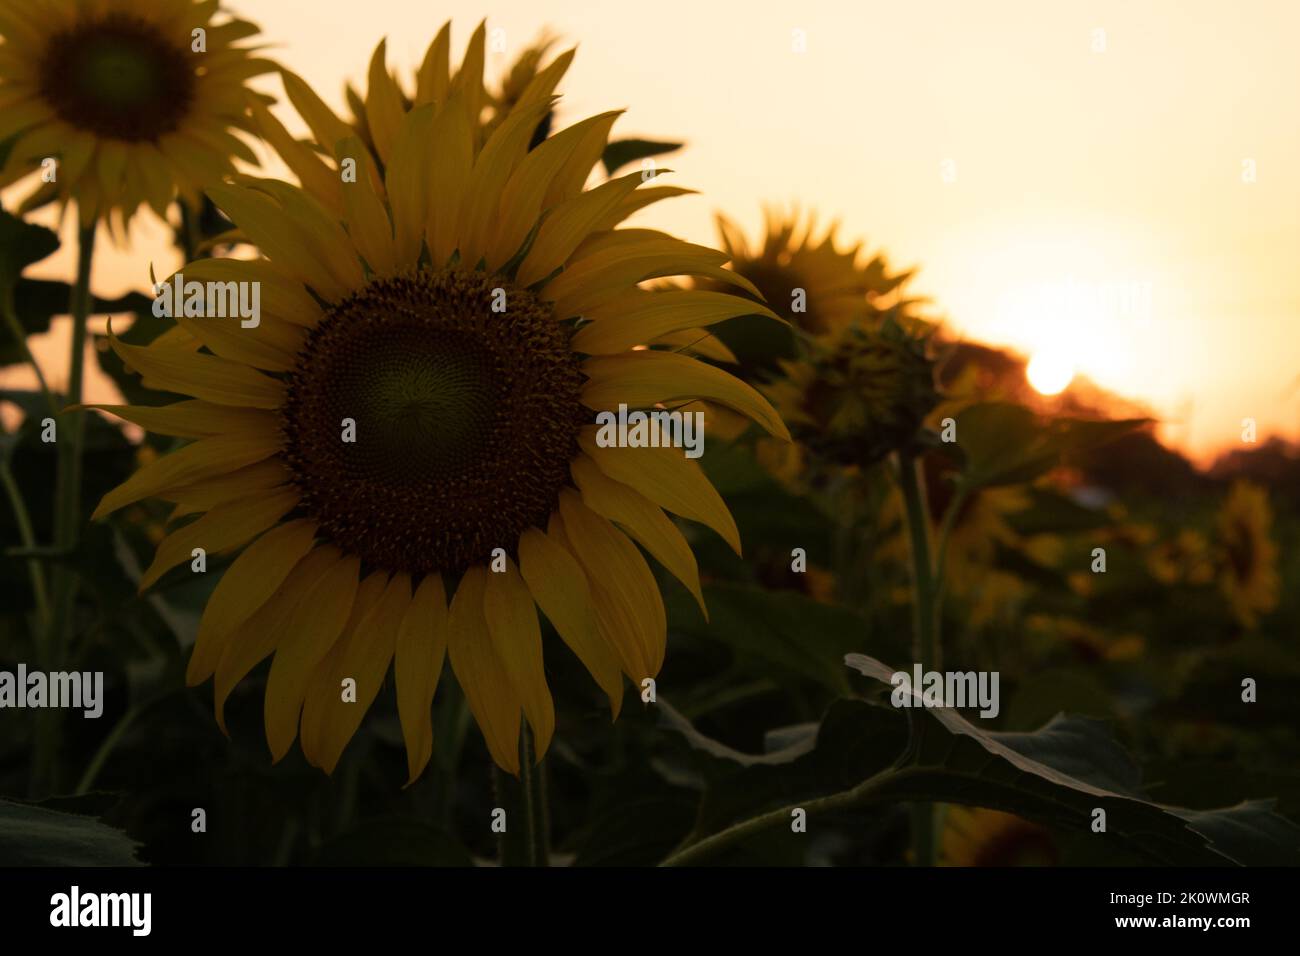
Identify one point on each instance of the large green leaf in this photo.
(1006, 444)
(37, 301)
(1060, 774)
(34, 836)
(21, 244)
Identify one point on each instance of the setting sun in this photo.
(1049, 373)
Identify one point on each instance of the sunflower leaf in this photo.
(1062, 774)
(623, 151)
(35, 836)
(1006, 444)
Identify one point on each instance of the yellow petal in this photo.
(207, 494)
(698, 342)
(282, 297)
(559, 586)
(367, 219)
(316, 177)
(383, 104)
(543, 85)
(434, 75)
(571, 222)
(256, 638)
(640, 518)
(328, 242)
(247, 584)
(325, 126)
(592, 281)
(204, 459)
(645, 378)
(271, 345)
(313, 628)
(491, 697)
(669, 479)
(417, 664)
(280, 238)
(364, 657)
(409, 183)
(208, 377)
(452, 165)
(322, 689)
(501, 154)
(646, 316)
(467, 86)
(639, 200)
(191, 419)
(521, 202)
(222, 529)
(625, 588)
(517, 639)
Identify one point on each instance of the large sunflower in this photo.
(1248, 556)
(126, 96)
(461, 319)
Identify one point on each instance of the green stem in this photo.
(67, 515)
(20, 336)
(860, 796)
(524, 799)
(110, 744)
(941, 559)
(24, 521)
(925, 649)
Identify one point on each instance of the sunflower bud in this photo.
(862, 394)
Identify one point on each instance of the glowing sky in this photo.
(1066, 192)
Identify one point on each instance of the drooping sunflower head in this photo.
(404, 452)
(806, 279)
(859, 394)
(1248, 573)
(118, 103)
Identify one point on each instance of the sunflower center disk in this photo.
(423, 430)
(119, 78)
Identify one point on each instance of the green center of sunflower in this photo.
(423, 429)
(118, 77)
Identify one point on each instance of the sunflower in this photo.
(979, 837)
(806, 279)
(403, 451)
(130, 98)
(1247, 555)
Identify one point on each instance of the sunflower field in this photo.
(448, 517)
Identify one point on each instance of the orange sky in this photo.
(1061, 198)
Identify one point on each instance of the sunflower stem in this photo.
(863, 795)
(10, 313)
(67, 517)
(925, 650)
(526, 839)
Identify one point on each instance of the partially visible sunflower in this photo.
(376, 113)
(1248, 573)
(403, 451)
(807, 280)
(118, 94)
(1183, 559)
(860, 393)
(979, 837)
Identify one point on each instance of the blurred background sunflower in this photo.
(134, 100)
